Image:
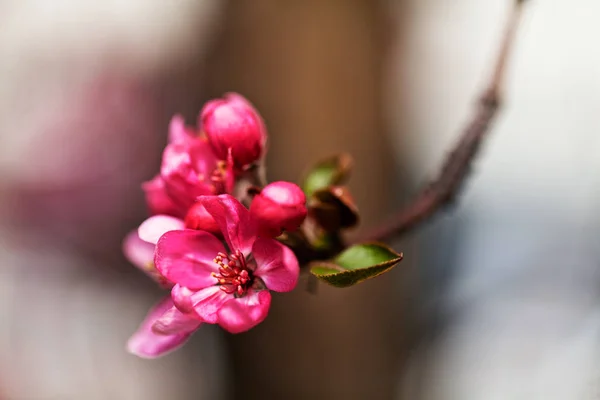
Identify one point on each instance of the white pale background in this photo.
(520, 307)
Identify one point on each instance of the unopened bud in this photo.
(233, 123)
(279, 205)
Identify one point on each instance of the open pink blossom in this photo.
(230, 288)
(150, 341)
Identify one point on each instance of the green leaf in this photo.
(356, 264)
(328, 172)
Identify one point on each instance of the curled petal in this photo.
(240, 314)
(187, 257)
(154, 227)
(234, 220)
(174, 321)
(147, 344)
(276, 265)
(182, 298)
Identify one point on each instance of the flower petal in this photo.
(276, 264)
(205, 303)
(187, 169)
(157, 199)
(234, 220)
(154, 227)
(178, 131)
(179, 176)
(187, 257)
(240, 314)
(138, 252)
(229, 173)
(182, 298)
(174, 321)
(203, 160)
(141, 254)
(147, 344)
(199, 219)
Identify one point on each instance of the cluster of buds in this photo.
(220, 239)
(216, 253)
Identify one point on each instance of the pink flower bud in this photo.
(198, 218)
(233, 123)
(279, 205)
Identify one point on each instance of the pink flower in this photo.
(233, 123)
(153, 339)
(279, 205)
(228, 288)
(189, 169)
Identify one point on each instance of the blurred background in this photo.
(496, 299)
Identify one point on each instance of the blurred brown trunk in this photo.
(314, 69)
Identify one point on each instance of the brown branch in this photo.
(443, 190)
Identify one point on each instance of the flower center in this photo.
(234, 276)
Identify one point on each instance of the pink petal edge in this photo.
(174, 322)
(241, 314)
(276, 265)
(154, 227)
(145, 343)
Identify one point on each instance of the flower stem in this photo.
(443, 190)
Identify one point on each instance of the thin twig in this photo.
(443, 190)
